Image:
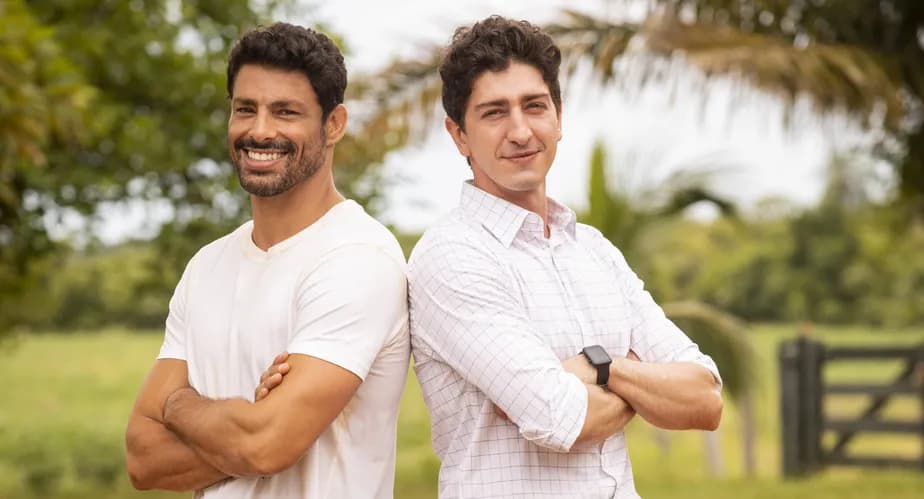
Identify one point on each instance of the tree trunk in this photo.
(748, 431)
(713, 449)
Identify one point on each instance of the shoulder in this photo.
(230, 243)
(598, 243)
(588, 234)
(453, 239)
(349, 233)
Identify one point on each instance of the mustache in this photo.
(269, 145)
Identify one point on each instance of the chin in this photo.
(524, 183)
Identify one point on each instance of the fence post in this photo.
(811, 395)
(789, 354)
(801, 405)
(918, 375)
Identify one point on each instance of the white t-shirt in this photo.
(335, 291)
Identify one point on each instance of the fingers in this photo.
(267, 385)
(274, 370)
(272, 377)
(279, 365)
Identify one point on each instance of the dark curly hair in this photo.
(490, 45)
(286, 46)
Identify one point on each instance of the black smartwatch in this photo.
(601, 361)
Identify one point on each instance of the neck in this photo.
(533, 200)
(278, 218)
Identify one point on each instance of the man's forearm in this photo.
(215, 429)
(607, 414)
(157, 459)
(672, 395)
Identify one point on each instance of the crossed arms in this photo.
(178, 440)
(466, 315)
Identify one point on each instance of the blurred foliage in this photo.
(107, 101)
(827, 264)
(865, 56)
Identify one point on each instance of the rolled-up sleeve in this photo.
(464, 312)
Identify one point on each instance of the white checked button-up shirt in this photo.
(495, 306)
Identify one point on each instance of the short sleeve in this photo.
(350, 306)
(174, 346)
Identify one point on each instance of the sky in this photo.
(680, 124)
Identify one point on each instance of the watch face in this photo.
(597, 355)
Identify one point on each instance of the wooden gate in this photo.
(803, 391)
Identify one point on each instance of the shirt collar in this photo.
(505, 220)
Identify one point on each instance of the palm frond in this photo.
(582, 36)
(682, 199)
(396, 105)
(832, 74)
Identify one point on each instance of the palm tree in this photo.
(862, 56)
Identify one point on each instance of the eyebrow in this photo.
(243, 101)
(503, 102)
(285, 103)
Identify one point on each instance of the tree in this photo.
(864, 56)
(106, 101)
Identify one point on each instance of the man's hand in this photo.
(246, 439)
(580, 367)
(272, 377)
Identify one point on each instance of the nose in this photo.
(519, 132)
(262, 129)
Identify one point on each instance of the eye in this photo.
(288, 112)
(536, 105)
(491, 113)
(243, 110)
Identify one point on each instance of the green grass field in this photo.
(67, 399)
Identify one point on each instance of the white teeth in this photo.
(263, 156)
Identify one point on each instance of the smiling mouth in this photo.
(263, 156)
(522, 155)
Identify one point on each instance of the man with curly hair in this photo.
(312, 275)
(533, 340)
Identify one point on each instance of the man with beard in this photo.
(312, 275)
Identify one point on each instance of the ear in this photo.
(459, 137)
(335, 126)
(559, 125)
